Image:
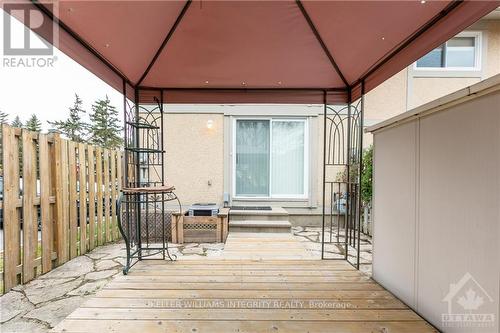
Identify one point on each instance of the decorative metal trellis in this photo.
(145, 221)
(342, 152)
(144, 151)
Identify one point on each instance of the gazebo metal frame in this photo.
(401, 52)
(342, 147)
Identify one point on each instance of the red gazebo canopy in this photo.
(254, 51)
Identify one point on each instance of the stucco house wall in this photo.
(194, 156)
(411, 88)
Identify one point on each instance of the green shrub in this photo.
(367, 176)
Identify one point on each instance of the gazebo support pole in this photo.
(347, 217)
(360, 201)
(137, 165)
(125, 155)
(125, 182)
(324, 176)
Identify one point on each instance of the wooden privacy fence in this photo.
(58, 201)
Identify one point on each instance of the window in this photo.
(270, 158)
(459, 53)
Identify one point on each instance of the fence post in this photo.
(30, 218)
(73, 216)
(91, 171)
(100, 199)
(82, 192)
(62, 193)
(106, 196)
(10, 203)
(47, 232)
(113, 223)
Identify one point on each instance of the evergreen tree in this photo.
(105, 130)
(33, 124)
(74, 128)
(17, 122)
(3, 117)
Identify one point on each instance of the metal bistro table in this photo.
(145, 222)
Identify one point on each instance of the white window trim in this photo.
(305, 195)
(478, 35)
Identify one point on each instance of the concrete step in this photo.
(260, 226)
(276, 214)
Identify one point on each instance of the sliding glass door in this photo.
(270, 158)
(252, 158)
(287, 158)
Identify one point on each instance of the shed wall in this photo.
(437, 207)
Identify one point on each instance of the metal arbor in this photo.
(342, 166)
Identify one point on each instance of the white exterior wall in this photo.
(437, 202)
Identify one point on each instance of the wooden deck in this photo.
(266, 290)
(265, 246)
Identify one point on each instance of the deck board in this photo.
(239, 326)
(250, 296)
(240, 302)
(247, 314)
(235, 294)
(244, 294)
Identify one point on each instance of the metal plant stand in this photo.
(147, 203)
(144, 223)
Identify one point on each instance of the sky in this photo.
(48, 92)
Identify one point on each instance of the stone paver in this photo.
(53, 312)
(89, 288)
(106, 264)
(14, 304)
(41, 304)
(101, 274)
(73, 268)
(43, 290)
(25, 325)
